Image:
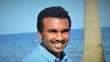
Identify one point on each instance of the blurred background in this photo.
(18, 33)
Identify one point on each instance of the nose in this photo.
(59, 37)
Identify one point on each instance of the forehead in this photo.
(54, 23)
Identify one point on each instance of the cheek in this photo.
(66, 36)
(46, 41)
(49, 36)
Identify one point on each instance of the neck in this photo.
(58, 55)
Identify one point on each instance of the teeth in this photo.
(58, 42)
(58, 45)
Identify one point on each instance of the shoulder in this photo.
(34, 56)
(30, 56)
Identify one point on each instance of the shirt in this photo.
(40, 54)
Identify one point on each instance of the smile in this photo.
(58, 44)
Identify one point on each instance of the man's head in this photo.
(53, 28)
(56, 12)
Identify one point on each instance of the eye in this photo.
(52, 31)
(65, 31)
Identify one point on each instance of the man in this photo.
(53, 25)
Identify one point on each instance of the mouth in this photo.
(58, 44)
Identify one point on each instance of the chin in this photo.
(58, 51)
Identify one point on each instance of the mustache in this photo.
(58, 41)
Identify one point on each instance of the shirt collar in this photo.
(49, 56)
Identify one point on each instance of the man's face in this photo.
(55, 34)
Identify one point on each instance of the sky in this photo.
(20, 16)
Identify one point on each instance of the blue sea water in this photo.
(13, 47)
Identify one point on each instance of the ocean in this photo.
(13, 47)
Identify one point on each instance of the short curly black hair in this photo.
(56, 11)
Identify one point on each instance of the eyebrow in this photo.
(54, 30)
(66, 29)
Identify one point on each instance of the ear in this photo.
(40, 34)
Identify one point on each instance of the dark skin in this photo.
(55, 35)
